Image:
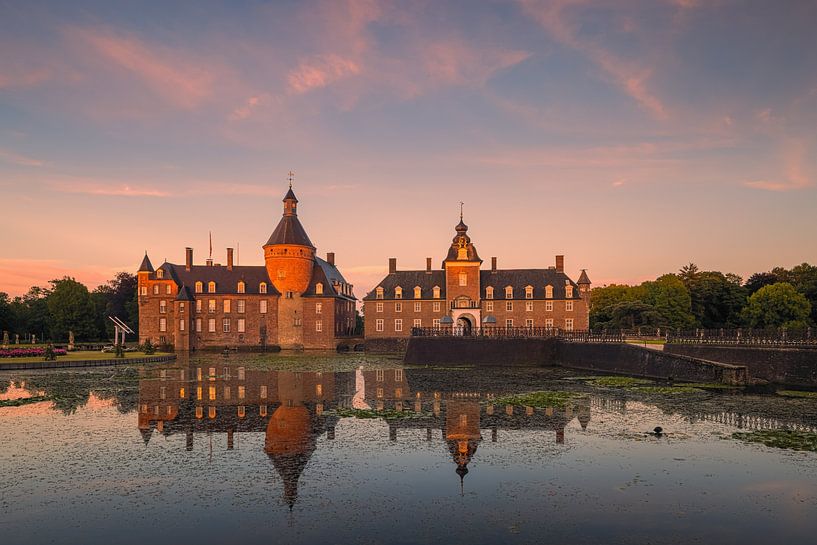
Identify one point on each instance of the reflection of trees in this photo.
(70, 391)
(4, 385)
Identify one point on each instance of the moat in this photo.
(361, 449)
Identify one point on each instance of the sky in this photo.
(632, 136)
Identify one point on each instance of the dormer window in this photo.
(199, 287)
(508, 292)
(528, 292)
(398, 292)
(418, 292)
(211, 287)
(569, 291)
(489, 292)
(160, 273)
(319, 288)
(548, 292)
(379, 293)
(262, 287)
(436, 291)
(241, 287)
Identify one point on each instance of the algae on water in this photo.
(787, 439)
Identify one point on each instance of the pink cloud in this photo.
(10, 78)
(459, 63)
(320, 71)
(17, 159)
(178, 78)
(108, 189)
(795, 177)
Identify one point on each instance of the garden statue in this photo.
(5, 339)
(34, 339)
(16, 338)
(70, 340)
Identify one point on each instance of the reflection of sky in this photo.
(89, 478)
(671, 121)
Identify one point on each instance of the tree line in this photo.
(67, 305)
(692, 298)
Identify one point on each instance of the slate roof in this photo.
(185, 294)
(408, 280)
(146, 265)
(519, 279)
(290, 231)
(290, 196)
(583, 278)
(226, 281)
(326, 274)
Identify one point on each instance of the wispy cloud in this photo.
(19, 159)
(108, 189)
(795, 177)
(320, 71)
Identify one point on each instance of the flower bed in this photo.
(28, 352)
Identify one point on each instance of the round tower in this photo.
(289, 254)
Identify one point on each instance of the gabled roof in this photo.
(146, 265)
(408, 280)
(327, 274)
(184, 294)
(290, 231)
(226, 280)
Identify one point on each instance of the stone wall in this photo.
(644, 362)
(792, 366)
(386, 345)
(479, 351)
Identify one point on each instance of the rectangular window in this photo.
(198, 305)
(398, 325)
(379, 325)
(241, 392)
(318, 325)
(211, 325)
(378, 375)
(398, 375)
(226, 306)
(144, 290)
(379, 307)
(549, 306)
(181, 307)
(398, 307)
(529, 323)
(162, 324)
(168, 290)
(263, 306)
(549, 323)
(263, 391)
(528, 306)
(240, 373)
(437, 306)
(211, 306)
(211, 393)
(435, 322)
(509, 306)
(225, 325)
(416, 307)
(155, 289)
(181, 324)
(489, 306)
(163, 307)
(318, 308)
(509, 322)
(418, 323)
(198, 325)
(241, 325)
(463, 277)
(569, 324)
(241, 305)
(569, 306)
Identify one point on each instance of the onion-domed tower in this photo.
(289, 254)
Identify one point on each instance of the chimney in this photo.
(330, 258)
(428, 265)
(229, 259)
(493, 264)
(188, 258)
(560, 263)
(392, 265)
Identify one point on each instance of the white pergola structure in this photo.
(120, 327)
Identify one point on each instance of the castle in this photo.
(294, 300)
(463, 298)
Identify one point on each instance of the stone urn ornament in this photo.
(70, 340)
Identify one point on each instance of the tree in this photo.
(602, 301)
(688, 274)
(758, 280)
(8, 317)
(670, 298)
(804, 279)
(71, 309)
(717, 299)
(32, 313)
(118, 298)
(778, 305)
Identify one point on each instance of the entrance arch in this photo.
(465, 324)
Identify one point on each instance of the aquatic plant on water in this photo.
(388, 414)
(797, 393)
(786, 439)
(540, 400)
(23, 401)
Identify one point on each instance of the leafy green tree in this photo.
(602, 301)
(804, 279)
(71, 309)
(778, 305)
(670, 298)
(8, 316)
(118, 298)
(717, 299)
(633, 314)
(758, 280)
(32, 313)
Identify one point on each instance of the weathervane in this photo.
(290, 177)
(461, 203)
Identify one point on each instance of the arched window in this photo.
(528, 292)
(418, 292)
(199, 287)
(211, 287)
(548, 292)
(489, 292)
(436, 291)
(241, 286)
(319, 288)
(398, 292)
(379, 293)
(508, 292)
(262, 287)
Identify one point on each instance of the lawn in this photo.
(79, 356)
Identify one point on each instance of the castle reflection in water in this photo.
(294, 408)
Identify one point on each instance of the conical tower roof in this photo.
(289, 229)
(146, 265)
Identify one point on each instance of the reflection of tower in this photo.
(583, 414)
(462, 432)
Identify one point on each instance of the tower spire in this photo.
(290, 177)
(461, 205)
